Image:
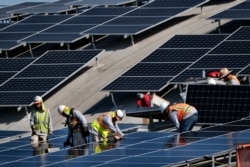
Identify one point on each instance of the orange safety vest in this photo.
(181, 108)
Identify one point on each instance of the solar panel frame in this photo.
(232, 47)
(242, 14)
(244, 71)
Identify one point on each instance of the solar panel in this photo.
(103, 11)
(148, 15)
(12, 36)
(156, 69)
(14, 64)
(137, 84)
(19, 27)
(243, 33)
(219, 103)
(88, 20)
(245, 71)
(5, 76)
(219, 61)
(232, 47)
(175, 55)
(62, 28)
(43, 75)
(194, 41)
(52, 38)
(45, 19)
(102, 2)
(172, 3)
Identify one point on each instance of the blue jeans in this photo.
(188, 124)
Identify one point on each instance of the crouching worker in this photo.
(184, 116)
(106, 126)
(77, 126)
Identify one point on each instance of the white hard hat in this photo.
(211, 81)
(60, 108)
(163, 107)
(119, 114)
(37, 99)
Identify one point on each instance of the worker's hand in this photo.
(33, 132)
(117, 137)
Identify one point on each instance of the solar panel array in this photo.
(4, 12)
(137, 149)
(42, 75)
(219, 103)
(158, 69)
(238, 12)
(68, 31)
(101, 2)
(144, 17)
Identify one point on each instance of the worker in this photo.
(228, 77)
(40, 121)
(144, 100)
(77, 126)
(106, 126)
(184, 116)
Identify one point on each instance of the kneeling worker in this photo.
(77, 126)
(184, 116)
(106, 125)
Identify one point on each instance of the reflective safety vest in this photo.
(182, 110)
(41, 121)
(99, 126)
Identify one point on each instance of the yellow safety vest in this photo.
(99, 125)
(41, 121)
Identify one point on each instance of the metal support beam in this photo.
(93, 41)
(31, 53)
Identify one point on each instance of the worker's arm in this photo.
(83, 122)
(173, 117)
(50, 123)
(32, 122)
(107, 120)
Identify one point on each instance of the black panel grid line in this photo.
(244, 71)
(206, 41)
(219, 103)
(137, 84)
(243, 33)
(224, 60)
(232, 47)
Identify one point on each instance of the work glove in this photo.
(66, 143)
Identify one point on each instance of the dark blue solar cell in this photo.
(188, 75)
(40, 38)
(8, 45)
(45, 19)
(175, 55)
(88, 20)
(245, 71)
(156, 12)
(220, 61)
(241, 14)
(243, 5)
(110, 11)
(142, 20)
(14, 64)
(5, 76)
(221, 103)
(28, 85)
(24, 98)
(51, 70)
(242, 33)
(156, 69)
(67, 56)
(62, 28)
(173, 3)
(26, 27)
(137, 83)
(118, 29)
(194, 41)
(13, 36)
(232, 47)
